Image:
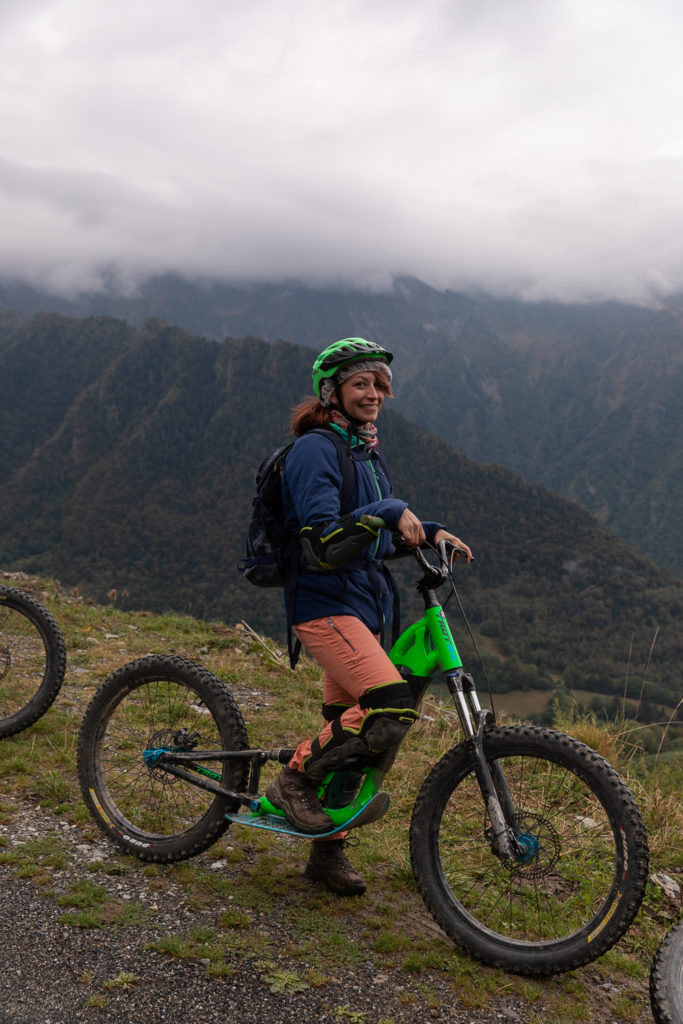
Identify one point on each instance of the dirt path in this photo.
(57, 973)
(53, 973)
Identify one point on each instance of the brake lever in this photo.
(375, 523)
(449, 552)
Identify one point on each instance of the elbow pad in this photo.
(330, 545)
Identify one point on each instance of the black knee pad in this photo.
(332, 711)
(391, 714)
(387, 727)
(381, 730)
(392, 696)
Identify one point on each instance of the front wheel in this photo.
(157, 703)
(666, 979)
(32, 660)
(581, 869)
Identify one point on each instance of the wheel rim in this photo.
(563, 883)
(148, 801)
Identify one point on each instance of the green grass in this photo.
(83, 894)
(308, 932)
(122, 980)
(203, 944)
(36, 857)
(285, 982)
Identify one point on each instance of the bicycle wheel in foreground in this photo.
(582, 880)
(157, 702)
(32, 660)
(666, 979)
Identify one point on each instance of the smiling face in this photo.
(362, 395)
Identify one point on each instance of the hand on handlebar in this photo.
(460, 550)
(410, 529)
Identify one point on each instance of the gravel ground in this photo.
(45, 963)
(55, 973)
(50, 971)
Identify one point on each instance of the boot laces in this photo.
(338, 850)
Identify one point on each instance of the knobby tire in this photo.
(32, 660)
(666, 979)
(149, 704)
(575, 897)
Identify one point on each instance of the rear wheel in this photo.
(159, 703)
(581, 869)
(32, 660)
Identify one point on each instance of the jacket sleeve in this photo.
(313, 484)
(431, 529)
(328, 538)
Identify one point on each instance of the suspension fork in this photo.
(494, 789)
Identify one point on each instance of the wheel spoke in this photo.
(538, 900)
(22, 661)
(155, 801)
(582, 867)
(167, 703)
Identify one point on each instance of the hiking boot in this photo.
(329, 864)
(296, 795)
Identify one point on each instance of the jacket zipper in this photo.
(379, 494)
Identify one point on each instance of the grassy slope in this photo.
(308, 931)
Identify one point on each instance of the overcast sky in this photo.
(524, 147)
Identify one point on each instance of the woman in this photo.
(339, 602)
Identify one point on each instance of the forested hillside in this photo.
(583, 399)
(128, 461)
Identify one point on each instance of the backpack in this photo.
(269, 546)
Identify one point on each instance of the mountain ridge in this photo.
(583, 399)
(141, 486)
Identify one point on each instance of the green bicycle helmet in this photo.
(348, 350)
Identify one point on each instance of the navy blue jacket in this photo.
(311, 492)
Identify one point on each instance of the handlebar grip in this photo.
(374, 522)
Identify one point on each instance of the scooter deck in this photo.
(376, 806)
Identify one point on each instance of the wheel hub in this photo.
(168, 740)
(539, 850)
(527, 847)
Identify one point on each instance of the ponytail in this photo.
(310, 414)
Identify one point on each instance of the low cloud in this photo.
(527, 149)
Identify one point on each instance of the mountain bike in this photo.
(526, 846)
(32, 660)
(666, 978)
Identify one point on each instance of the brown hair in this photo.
(309, 414)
